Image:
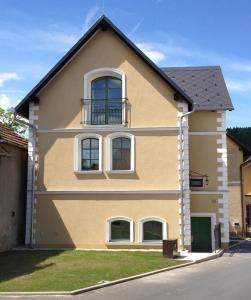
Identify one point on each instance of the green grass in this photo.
(70, 270)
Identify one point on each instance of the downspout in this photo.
(34, 133)
(182, 174)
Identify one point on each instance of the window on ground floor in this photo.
(152, 229)
(120, 229)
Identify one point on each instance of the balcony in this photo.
(104, 111)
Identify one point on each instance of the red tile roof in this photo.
(9, 136)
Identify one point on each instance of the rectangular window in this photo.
(196, 182)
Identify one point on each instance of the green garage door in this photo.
(201, 234)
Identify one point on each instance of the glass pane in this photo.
(86, 143)
(116, 154)
(86, 153)
(94, 154)
(94, 164)
(114, 83)
(152, 231)
(126, 143)
(120, 230)
(117, 143)
(98, 94)
(86, 164)
(98, 112)
(94, 144)
(98, 83)
(114, 94)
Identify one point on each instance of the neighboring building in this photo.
(246, 195)
(13, 174)
(114, 155)
(238, 185)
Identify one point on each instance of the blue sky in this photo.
(34, 35)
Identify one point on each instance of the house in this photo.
(246, 195)
(13, 164)
(238, 182)
(126, 153)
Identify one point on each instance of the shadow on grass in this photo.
(19, 263)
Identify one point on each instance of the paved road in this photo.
(225, 278)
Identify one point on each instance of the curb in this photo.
(114, 282)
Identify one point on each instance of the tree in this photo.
(7, 117)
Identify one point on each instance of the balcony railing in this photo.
(104, 111)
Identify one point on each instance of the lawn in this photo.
(70, 270)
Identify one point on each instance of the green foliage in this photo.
(243, 134)
(7, 117)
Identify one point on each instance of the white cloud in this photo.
(91, 14)
(154, 55)
(5, 101)
(7, 76)
(238, 86)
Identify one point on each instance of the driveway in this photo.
(225, 278)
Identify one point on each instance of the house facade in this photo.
(125, 154)
(238, 186)
(13, 166)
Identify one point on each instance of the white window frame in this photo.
(78, 153)
(108, 229)
(158, 219)
(109, 140)
(94, 74)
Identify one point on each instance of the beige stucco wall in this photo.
(203, 121)
(235, 209)
(80, 220)
(205, 204)
(235, 159)
(156, 164)
(247, 180)
(12, 196)
(146, 92)
(203, 158)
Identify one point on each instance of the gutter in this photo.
(34, 133)
(182, 174)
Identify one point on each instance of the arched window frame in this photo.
(108, 229)
(158, 219)
(94, 74)
(78, 152)
(110, 138)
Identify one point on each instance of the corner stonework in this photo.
(31, 175)
(222, 177)
(184, 167)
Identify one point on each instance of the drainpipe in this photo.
(182, 174)
(34, 133)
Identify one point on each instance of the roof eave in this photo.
(23, 107)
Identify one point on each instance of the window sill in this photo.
(120, 171)
(88, 172)
(134, 243)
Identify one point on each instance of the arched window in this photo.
(88, 153)
(120, 229)
(106, 101)
(104, 97)
(120, 152)
(152, 229)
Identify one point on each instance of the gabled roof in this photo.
(205, 85)
(9, 136)
(102, 23)
(245, 149)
